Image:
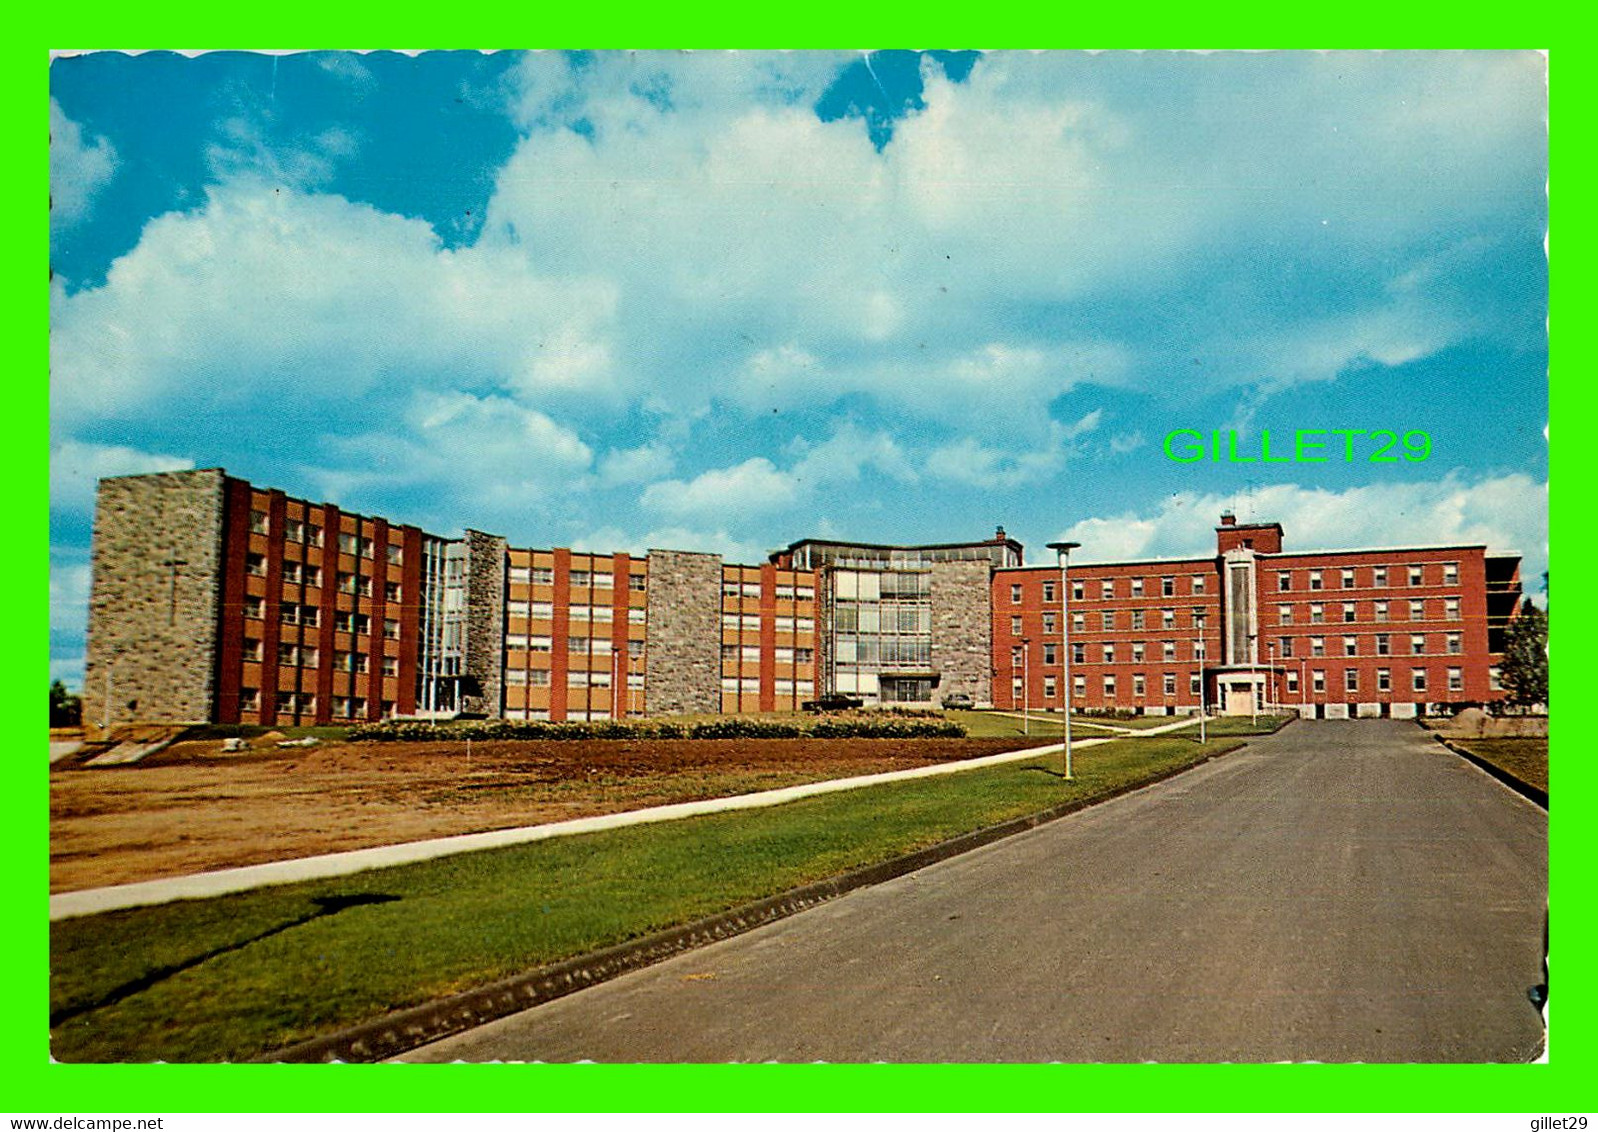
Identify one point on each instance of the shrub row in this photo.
(870, 726)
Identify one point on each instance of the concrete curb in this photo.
(405, 1030)
(1519, 786)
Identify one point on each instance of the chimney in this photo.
(998, 535)
(1228, 519)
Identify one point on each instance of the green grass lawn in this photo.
(1526, 759)
(468, 919)
(1045, 729)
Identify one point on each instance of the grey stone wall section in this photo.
(962, 629)
(682, 669)
(155, 642)
(486, 563)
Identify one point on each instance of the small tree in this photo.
(66, 710)
(1525, 667)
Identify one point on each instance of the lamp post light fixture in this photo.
(1062, 551)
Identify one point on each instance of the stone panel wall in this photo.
(486, 560)
(682, 667)
(154, 599)
(962, 629)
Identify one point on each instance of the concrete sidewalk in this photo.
(199, 886)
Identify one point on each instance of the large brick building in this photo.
(215, 600)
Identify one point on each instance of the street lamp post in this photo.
(1062, 551)
(1199, 651)
(1026, 686)
(1253, 678)
(1270, 674)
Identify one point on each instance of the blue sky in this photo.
(724, 301)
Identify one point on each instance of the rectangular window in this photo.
(1137, 587)
(1076, 591)
(288, 614)
(363, 586)
(1107, 588)
(1051, 623)
(1417, 644)
(1016, 689)
(729, 652)
(346, 583)
(1292, 682)
(579, 579)
(520, 576)
(391, 628)
(1168, 587)
(637, 582)
(539, 644)
(1456, 679)
(1198, 583)
(1348, 611)
(1139, 684)
(1417, 611)
(396, 554)
(293, 530)
(1015, 626)
(1450, 573)
(1284, 614)
(1050, 653)
(607, 581)
(1317, 646)
(288, 653)
(1317, 614)
(1198, 650)
(293, 573)
(1079, 622)
(1456, 644)
(578, 678)
(255, 565)
(1137, 652)
(1314, 579)
(1284, 581)
(1050, 687)
(253, 607)
(1167, 618)
(313, 535)
(1350, 646)
(638, 615)
(1384, 679)
(1170, 684)
(1048, 591)
(538, 677)
(1108, 618)
(1379, 611)
(1417, 679)
(1137, 619)
(1109, 654)
(515, 676)
(1195, 684)
(635, 649)
(1495, 678)
(1015, 595)
(258, 522)
(1378, 576)
(1168, 650)
(1079, 687)
(348, 544)
(1317, 680)
(1079, 653)
(252, 649)
(391, 592)
(543, 575)
(1350, 679)
(1451, 608)
(1382, 644)
(1348, 579)
(1109, 687)
(1416, 577)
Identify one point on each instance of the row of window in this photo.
(749, 684)
(1109, 588)
(298, 573)
(886, 651)
(304, 703)
(785, 591)
(1378, 577)
(1080, 686)
(1418, 680)
(575, 678)
(308, 656)
(1380, 611)
(309, 534)
(545, 611)
(782, 654)
(596, 579)
(310, 616)
(752, 621)
(1137, 652)
(1109, 620)
(1382, 645)
(593, 646)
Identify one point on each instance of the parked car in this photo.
(958, 700)
(835, 702)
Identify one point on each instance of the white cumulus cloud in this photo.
(79, 168)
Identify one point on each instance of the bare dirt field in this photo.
(193, 807)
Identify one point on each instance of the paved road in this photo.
(1341, 891)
